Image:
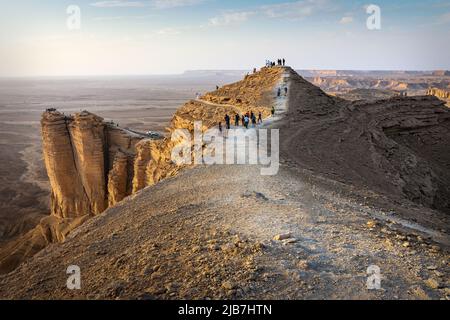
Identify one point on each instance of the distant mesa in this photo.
(441, 73)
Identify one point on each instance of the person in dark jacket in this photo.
(253, 120)
(228, 122)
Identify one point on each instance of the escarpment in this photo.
(87, 162)
(396, 147)
(93, 165)
(255, 93)
(68, 197)
(441, 94)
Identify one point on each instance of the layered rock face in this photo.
(441, 94)
(90, 167)
(68, 198)
(87, 163)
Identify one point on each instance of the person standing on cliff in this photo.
(246, 121)
(236, 120)
(284, 62)
(228, 121)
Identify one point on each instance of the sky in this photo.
(140, 37)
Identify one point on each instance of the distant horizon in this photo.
(206, 70)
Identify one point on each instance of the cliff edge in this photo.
(93, 165)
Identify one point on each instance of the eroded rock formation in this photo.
(86, 161)
(89, 164)
(441, 94)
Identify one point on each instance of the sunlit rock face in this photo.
(83, 156)
(441, 94)
(68, 197)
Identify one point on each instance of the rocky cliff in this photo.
(87, 162)
(440, 93)
(89, 165)
(93, 165)
(397, 147)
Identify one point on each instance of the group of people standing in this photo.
(285, 91)
(280, 62)
(246, 120)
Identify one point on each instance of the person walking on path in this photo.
(220, 127)
(246, 121)
(279, 92)
(253, 120)
(260, 118)
(285, 91)
(273, 111)
(236, 120)
(228, 122)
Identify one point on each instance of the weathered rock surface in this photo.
(118, 179)
(397, 147)
(441, 94)
(83, 155)
(68, 198)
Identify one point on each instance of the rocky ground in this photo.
(193, 240)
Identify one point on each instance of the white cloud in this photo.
(297, 9)
(159, 4)
(346, 20)
(230, 18)
(286, 10)
(164, 4)
(117, 4)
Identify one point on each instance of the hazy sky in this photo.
(170, 36)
